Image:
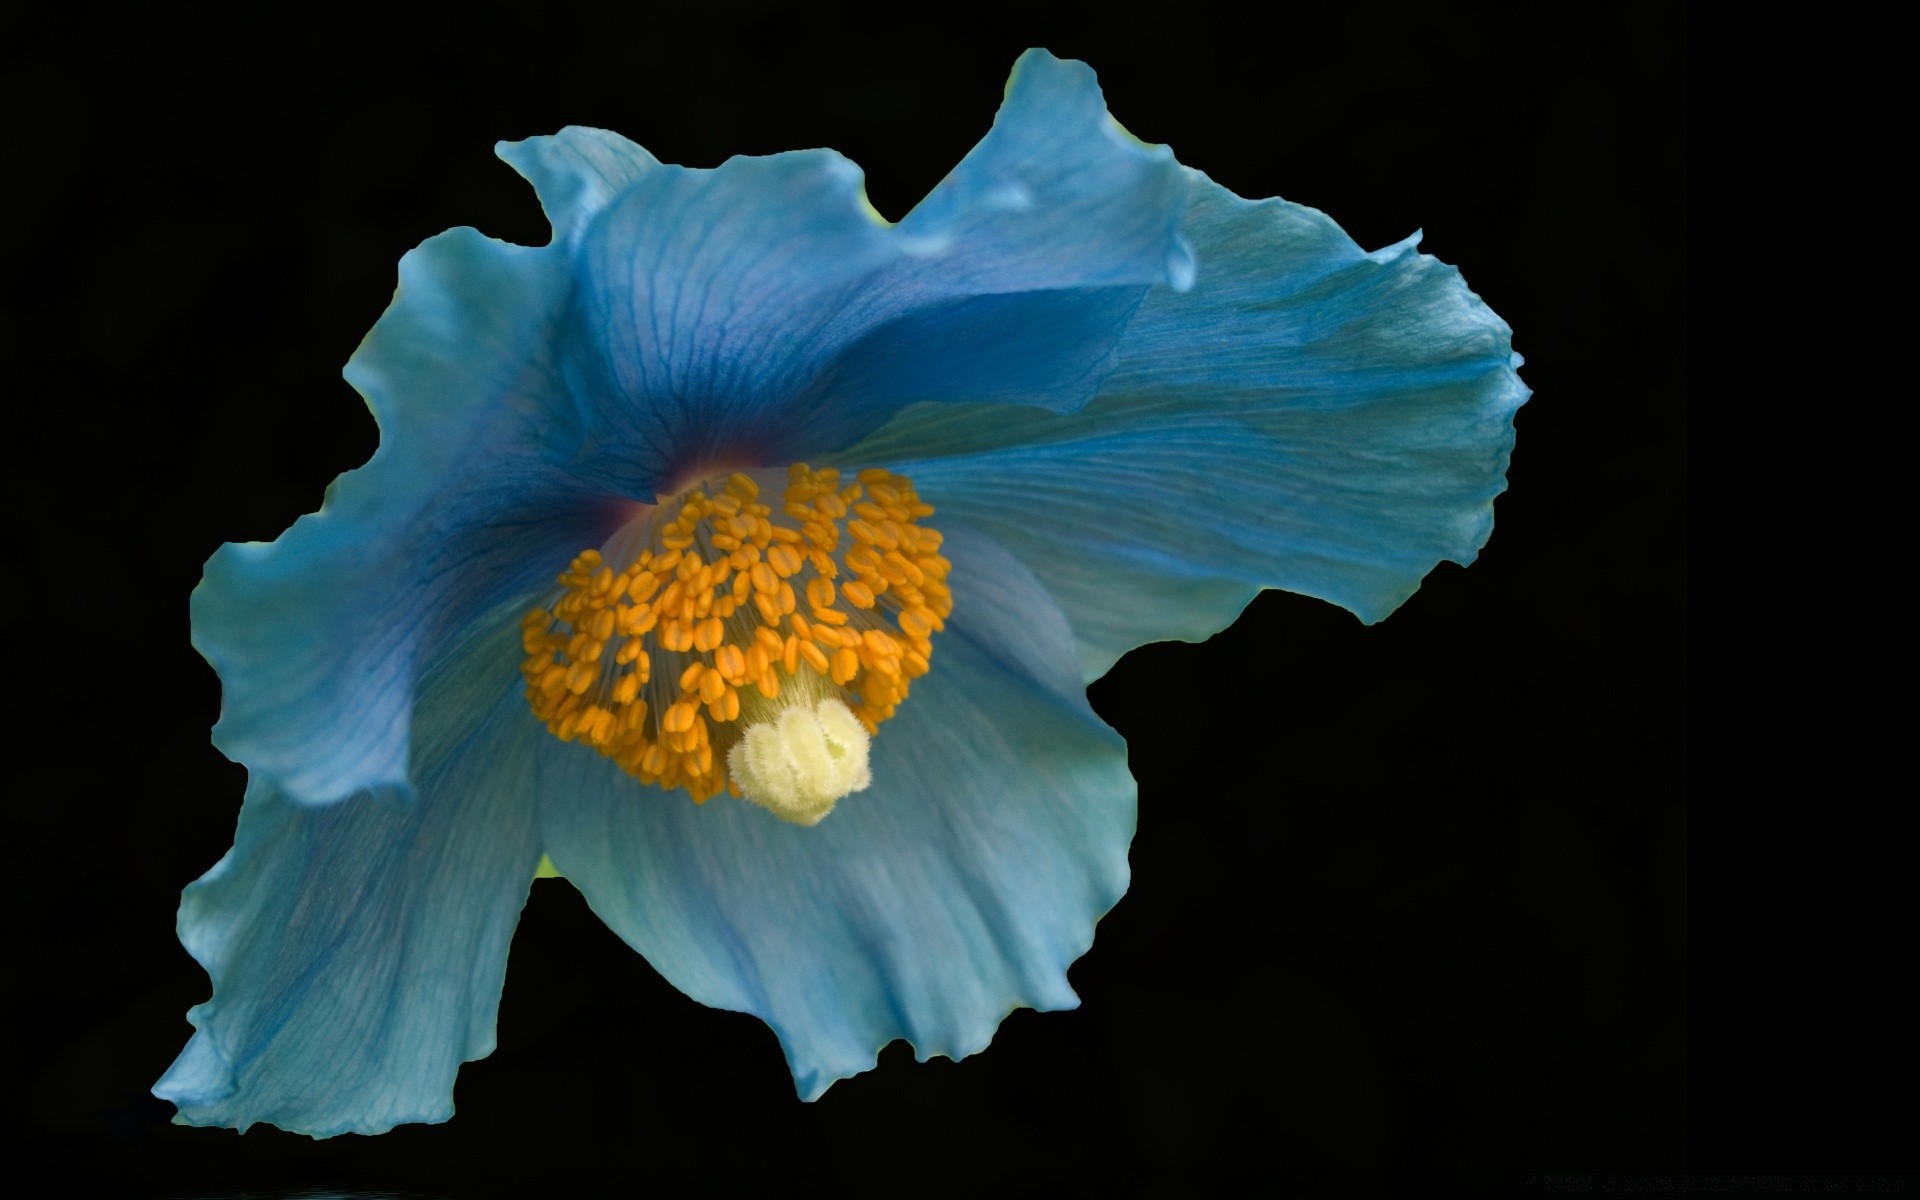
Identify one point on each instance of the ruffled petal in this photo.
(358, 949)
(703, 302)
(1057, 195)
(1309, 417)
(1054, 226)
(761, 311)
(576, 173)
(955, 889)
(319, 636)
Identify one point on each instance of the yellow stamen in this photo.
(665, 658)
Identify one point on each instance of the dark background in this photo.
(1413, 915)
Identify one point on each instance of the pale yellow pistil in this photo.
(693, 665)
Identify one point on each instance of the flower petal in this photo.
(358, 949)
(703, 301)
(1057, 195)
(576, 173)
(760, 311)
(957, 888)
(1309, 416)
(319, 636)
(1054, 226)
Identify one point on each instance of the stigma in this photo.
(717, 645)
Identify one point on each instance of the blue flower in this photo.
(746, 557)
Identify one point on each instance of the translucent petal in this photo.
(703, 303)
(955, 889)
(576, 173)
(1053, 227)
(1057, 195)
(358, 949)
(1308, 417)
(760, 311)
(319, 636)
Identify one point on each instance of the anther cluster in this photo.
(731, 614)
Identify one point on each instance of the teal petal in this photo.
(1058, 195)
(576, 173)
(760, 311)
(358, 949)
(955, 889)
(1054, 227)
(703, 307)
(319, 636)
(1308, 417)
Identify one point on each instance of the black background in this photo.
(1408, 909)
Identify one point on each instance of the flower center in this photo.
(689, 662)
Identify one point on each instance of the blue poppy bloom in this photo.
(744, 558)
